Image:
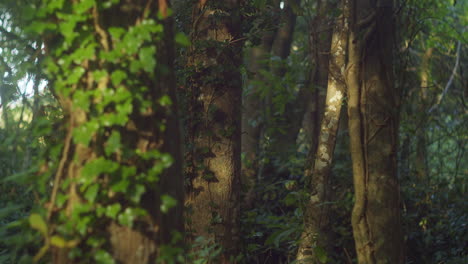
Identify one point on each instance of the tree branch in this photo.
(450, 81)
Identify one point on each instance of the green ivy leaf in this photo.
(135, 66)
(84, 133)
(182, 39)
(128, 171)
(137, 193)
(85, 52)
(167, 202)
(321, 254)
(40, 27)
(103, 257)
(67, 28)
(83, 223)
(82, 6)
(117, 77)
(121, 186)
(113, 143)
(126, 218)
(165, 100)
(61, 199)
(124, 109)
(95, 241)
(96, 167)
(37, 222)
(147, 58)
(75, 75)
(92, 192)
(113, 210)
(99, 74)
(81, 100)
(116, 32)
(57, 241)
(53, 5)
(62, 243)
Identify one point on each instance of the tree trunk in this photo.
(252, 116)
(315, 237)
(256, 120)
(422, 106)
(373, 127)
(150, 127)
(281, 127)
(215, 132)
(319, 42)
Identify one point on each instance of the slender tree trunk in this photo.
(316, 217)
(255, 118)
(4, 101)
(373, 127)
(422, 106)
(252, 116)
(215, 163)
(281, 128)
(319, 42)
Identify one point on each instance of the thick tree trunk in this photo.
(215, 132)
(373, 127)
(141, 134)
(316, 217)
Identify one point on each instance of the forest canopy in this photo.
(232, 131)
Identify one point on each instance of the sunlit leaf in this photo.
(37, 222)
(103, 257)
(182, 39)
(113, 210)
(167, 202)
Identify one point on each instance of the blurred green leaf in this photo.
(37, 222)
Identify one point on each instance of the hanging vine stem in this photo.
(450, 81)
(101, 32)
(59, 173)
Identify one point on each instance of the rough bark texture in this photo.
(316, 217)
(373, 126)
(215, 133)
(140, 243)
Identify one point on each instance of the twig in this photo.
(347, 256)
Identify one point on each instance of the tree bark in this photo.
(256, 120)
(321, 28)
(373, 127)
(215, 131)
(423, 107)
(316, 216)
(142, 133)
(281, 128)
(252, 116)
